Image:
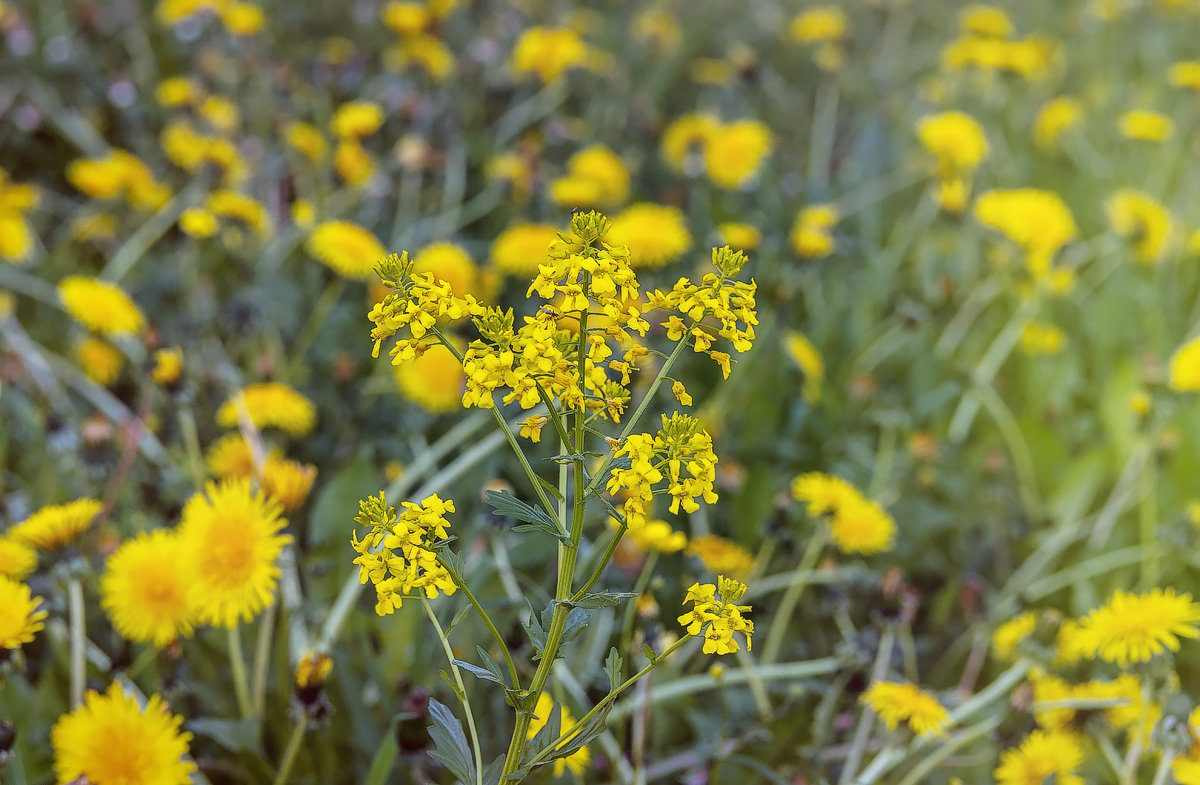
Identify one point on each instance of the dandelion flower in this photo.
(823, 493)
(56, 525)
(805, 355)
(143, 589)
(862, 526)
(1185, 367)
(346, 248)
(168, 364)
(596, 177)
(1185, 74)
(435, 379)
(100, 360)
(739, 236)
(955, 140)
(242, 18)
(657, 535)
(287, 483)
(1042, 755)
(1012, 632)
(1054, 118)
(687, 138)
(450, 263)
(1146, 126)
(519, 249)
(1133, 628)
(721, 556)
(548, 52)
(198, 222)
(985, 21)
(1142, 219)
(307, 140)
(352, 162)
(270, 405)
(812, 235)
(1036, 220)
(100, 306)
(17, 559)
(176, 91)
(654, 234)
(735, 152)
(819, 24)
(230, 457)
(232, 538)
(896, 703)
(111, 740)
(405, 18)
(357, 119)
(232, 204)
(19, 617)
(577, 761)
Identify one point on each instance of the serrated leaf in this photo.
(450, 743)
(541, 527)
(455, 562)
(478, 672)
(510, 506)
(537, 635)
(612, 666)
(603, 599)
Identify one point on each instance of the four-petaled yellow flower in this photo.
(716, 615)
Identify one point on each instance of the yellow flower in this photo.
(1140, 403)
(720, 555)
(198, 222)
(101, 361)
(405, 18)
(1067, 647)
(1055, 117)
(955, 140)
(168, 363)
(357, 119)
(19, 617)
(270, 404)
(1036, 220)
(242, 18)
(424, 50)
(739, 236)
(1041, 755)
(287, 482)
(654, 234)
(1185, 74)
(56, 525)
(232, 539)
(896, 703)
(734, 153)
(984, 20)
(176, 91)
(519, 249)
(822, 23)
(434, 379)
(1133, 628)
(657, 535)
(16, 237)
(303, 213)
(1039, 339)
(658, 28)
(1146, 126)
(577, 761)
(1142, 219)
(230, 457)
(548, 52)
(93, 227)
(812, 235)
(235, 205)
(346, 248)
(805, 355)
(451, 264)
(1185, 367)
(143, 589)
(111, 740)
(822, 493)
(862, 526)
(17, 559)
(531, 427)
(716, 615)
(117, 173)
(307, 140)
(100, 306)
(686, 140)
(352, 162)
(596, 177)
(221, 113)
(1012, 632)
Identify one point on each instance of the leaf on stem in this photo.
(450, 743)
(612, 666)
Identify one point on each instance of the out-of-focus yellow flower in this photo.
(1185, 367)
(177, 91)
(514, 170)
(686, 139)
(347, 248)
(16, 236)
(427, 51)
(955, 140)
(657, 535)
(657, 27)
(434, 379)
(20, 618)
(143, 589)
(1185, 74)
(168, 365)
(118, 173)
(548, 52)
(93, 227)
(984, 20)
(711, 71)
(596, 177)
(304, 214)
(235, 205)
(1036, 220)
(270, 404)
(735, 152)
(100, 306)
(721, 555)
(352, 162)
(100, 360)
(739, 236)
(450, 263)
(1041, 756)
(56, 525)
(1009, 634)
(1146, 126)
(519, 249)
(822, 23)
(655, 234)
(405, 18)
(357, 119)
(896, 703)
(1042, 339)
(198, 222)
(812, 232)
(305, 138)
(287, 482)
(242, 18)
(805, 355)
(577, 761)
(220, 112)
(17, 559)
(1133, 628)
(1055, 117)
(1143, 220)
(1140, 403)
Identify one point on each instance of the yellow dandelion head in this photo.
(655, 234)
(17, 559)
(143, 589)
(955, 140)
(270, 405)
(1054, 118)
(687, 138)
(822, 23)
(306, 139)
(739, 236)
(313, 670)
(232, 204)
(1012, 632)
(823, 493)
(1038, 221)
(896, 703)
(1133, 628)
(242, 18)
(56, 525)
(1041, 755)
(1185, 74)
(168, 365)
(198, 222)
(984, 20)
(100, 360)
(1185, 367)
(735, 152)
(1143, 220)
(111, 740)
(357, 119)
(19, 617)
(657, 535)
(812, 232)
(405, 18)
(721, 556)
(1146, 126)
(287, 483)
(100, 306)
(16, 237)
(805, 355)
(346, 248)
(176, 91)
(230, 457)
(519, 249)
(232, 537)
(354, 165)
(548, 52)
(450, 263)
(435, 379)
(862, 526)
(606, 172)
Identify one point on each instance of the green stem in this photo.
(1147, 522)
(237, 662)
(487, 620)
(553, 413)
(78, 638)
(866, 718)
(292, 751)
(782, 620)
(262, 659)
(611, 548)
(462, 690)
(191, 443)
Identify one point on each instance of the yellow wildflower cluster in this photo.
(984, 44)
(716, 614)
(16, 237)
(1038, 221)
(119, 174)
(958, 144)
(858, 525)
(684, 450)
(730, 154)
(397, 554)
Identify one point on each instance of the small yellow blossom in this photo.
(531, 427)
(1185, 367)
(1142, 219)
(198, 222)
(56, 525)
(100, 360)
(100, 306)
(716, 615)
(805, 355)
(1054, 118)
(357, 119)
(822, 23)
(1185, 74)
(17, 559)
(1009, 634)
(812, 232)
(548, 52)
(984, 20)
(896, 703)
(735, 152)
(306, 139)
(1146, 126)
(168, 364)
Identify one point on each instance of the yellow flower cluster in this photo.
(730, 154)
(120, 173)
(716, 614)
(596, 177)
(397, 554)
(984, 44)
(684, 450)
(1038, 221)
(896, 703)
(858, 524)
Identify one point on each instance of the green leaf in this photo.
(603, 599)
(587, 734)
(612, 666)
(537, 635)
(458, 693)
(385, 756)
(491, 774)
(478, 672)
(546, 736)
(490, 663)
(649, 652)
(542, 527)
(577, 619)
(450, 743)
(458, 617)
(511, 507)
(551, 487)
(455, 563)
(233, 735)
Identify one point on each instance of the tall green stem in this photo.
(289, 754)
(487, 620)
(458, 680)
(782, 619)
(78, 638)
(237, 663)
(262, 659)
